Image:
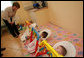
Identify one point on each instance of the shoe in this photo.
(19, 34)
(2, 49)
(1, 55)
(16, 36)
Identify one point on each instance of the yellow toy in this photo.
(27, 22)
(44, 42)
(54, 53)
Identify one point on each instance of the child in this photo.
(45, 34)
(65, 49)
(61, 50)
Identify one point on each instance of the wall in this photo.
(67, 14)
(21, 14)
(42, 16)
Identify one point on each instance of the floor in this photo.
(12, 45)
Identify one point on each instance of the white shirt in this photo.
(7, 13)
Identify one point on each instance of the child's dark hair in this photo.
(16, 4)
(64, 51)
(44, 34)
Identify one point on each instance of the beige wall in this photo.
(42, 16)
(22, 14)
(67, 14)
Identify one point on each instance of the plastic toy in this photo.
(20, 27)
(28, 23)
(27, 37)
(26, 33)
(50, 50)
(33, 45)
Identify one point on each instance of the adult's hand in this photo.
(11, 23)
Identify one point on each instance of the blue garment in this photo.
(36, 5)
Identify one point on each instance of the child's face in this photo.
(42, 35)
(59, 49)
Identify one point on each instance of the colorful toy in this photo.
(27, 37)
(26, 33)
(33, 45)
(20, 27)
(49, 50)
(28, 23)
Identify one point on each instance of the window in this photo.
(5, 4)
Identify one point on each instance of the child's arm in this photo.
(41, 39)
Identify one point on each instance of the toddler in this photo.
(43, 35)
(65, 49)
(61, 50)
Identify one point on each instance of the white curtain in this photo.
(5, 4)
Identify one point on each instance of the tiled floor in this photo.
(12, 45)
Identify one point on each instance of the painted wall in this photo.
(42, 16)
(67, 14)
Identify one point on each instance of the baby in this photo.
(43, 35)
(61, 50)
